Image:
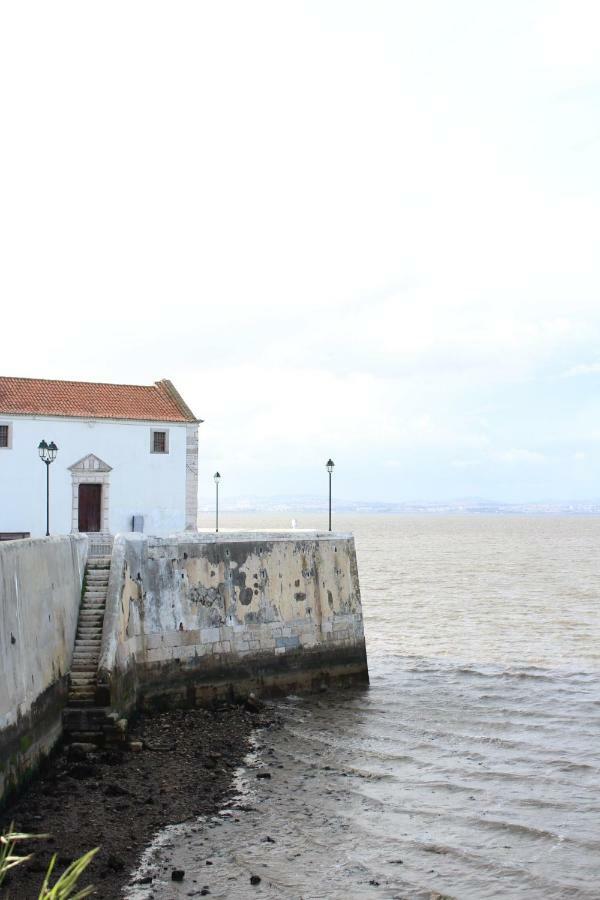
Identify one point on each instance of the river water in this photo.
(470, 768)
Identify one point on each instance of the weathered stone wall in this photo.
(195, 617)
(40, 593)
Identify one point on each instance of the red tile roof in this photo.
(158, 402)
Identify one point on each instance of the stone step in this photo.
(82, 680)
(90, 720)
(94, 595)
(82, 693)
(78, 669)
(91, 614)
(84, 737)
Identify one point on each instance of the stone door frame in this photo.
(91, 470)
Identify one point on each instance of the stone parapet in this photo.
(40, 593)
(191, 618)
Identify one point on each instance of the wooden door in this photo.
(90, 505)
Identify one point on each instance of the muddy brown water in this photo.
(470, 768)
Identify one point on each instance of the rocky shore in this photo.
(181, 766)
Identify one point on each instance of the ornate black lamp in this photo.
(47, 454)
(329, 466)
(217, 478)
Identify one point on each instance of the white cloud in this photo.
(583, 369)
(315, 218)
(518, 456)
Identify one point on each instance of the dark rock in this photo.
(263, 774)
(115, 863)
(112, 758)
(177, 875)
(253, 704)
(115, 790)
(255, 879)
(82, 770)
(147, 879)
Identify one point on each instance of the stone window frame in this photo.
(164, 431)
(9, 443)
(98, 474)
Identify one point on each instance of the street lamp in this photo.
(47, 455)
(217, 478)
(329, 466)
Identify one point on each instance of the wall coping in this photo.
(240, 536)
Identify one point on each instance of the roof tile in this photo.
(159, 402)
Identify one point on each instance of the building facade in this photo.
(124, 451)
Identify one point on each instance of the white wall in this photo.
(149, 484)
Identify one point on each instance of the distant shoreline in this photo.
(432, 511)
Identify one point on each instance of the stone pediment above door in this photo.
(90, 463)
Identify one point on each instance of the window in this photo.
(5, 436)
(159, 441)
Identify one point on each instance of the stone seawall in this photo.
(40, 593)
(193, 618)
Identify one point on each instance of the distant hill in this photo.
(471, 506)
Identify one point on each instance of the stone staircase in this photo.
(84, 668)
(84, 722)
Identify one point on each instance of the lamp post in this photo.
(329, 466)
(217, 478)
(47, 455)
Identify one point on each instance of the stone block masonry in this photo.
(194, 618)
(40, 593)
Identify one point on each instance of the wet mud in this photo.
(118, 800)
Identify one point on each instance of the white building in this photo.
(123, 451)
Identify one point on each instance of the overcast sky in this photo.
(366, 230)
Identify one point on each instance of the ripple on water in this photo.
(471, 766)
